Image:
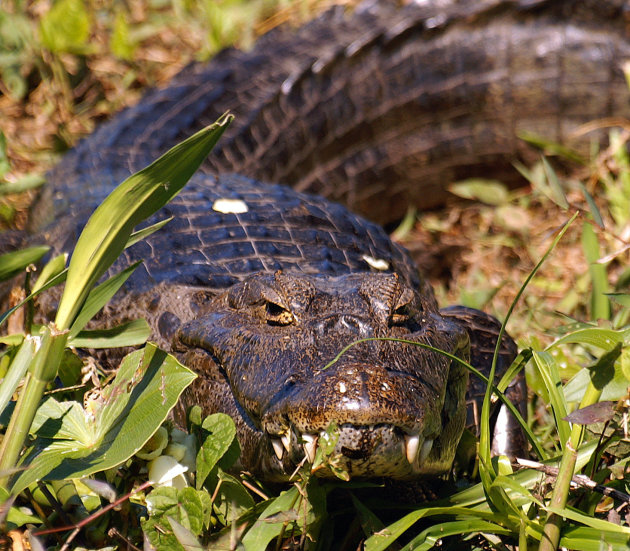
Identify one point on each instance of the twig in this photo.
(254, 489)
(577, 480)
(77, 527)
(114, 533)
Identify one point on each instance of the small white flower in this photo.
(167, 471)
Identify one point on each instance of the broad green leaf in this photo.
(16, 261)
(620, 298)
(584, 538)
(490, 192)
(184, 506)
(138, 197)
(606, 339)
(120, 42)
(15, 339)
(219, 432)
(615, 389)
(66, 27)
(14, 515)
(383, 539)
(99, 297)
(232, 500)
(184, 536)
(78, 442)
(370, 523)
(54, 274)
(63, 421)
(132, 333)
(591, 521)
(269, 525)
(431, 537)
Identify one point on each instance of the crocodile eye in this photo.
(403, 311)
(277, 315)
(401, 315)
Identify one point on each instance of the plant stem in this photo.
(43, 370)
(566, 470)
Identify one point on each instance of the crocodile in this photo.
(376, 109)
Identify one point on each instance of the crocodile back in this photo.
(381, 108)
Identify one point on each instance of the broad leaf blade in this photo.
(219, 431)
(109, 228)
(147, 386)
(133, 333)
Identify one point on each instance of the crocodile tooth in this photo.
(286, 441)
(412, 443)
(425, 450)
(310, 446)
(277, 448)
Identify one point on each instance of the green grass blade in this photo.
(606, 339)
(56, 280)
(133, 333)
(52, 269)
(99, 297)
(600, 305)
(592, 206)
(16, 261)
(29, 181)
(17, 370)
(431, 537)
(486, 470)
(551, 147)
(557, 193)
(548, 369)
(146, 232)
(110, 227)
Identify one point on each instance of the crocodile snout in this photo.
(398, 407)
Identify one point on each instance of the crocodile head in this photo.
(263, 349)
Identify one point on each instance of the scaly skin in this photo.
(378, 109)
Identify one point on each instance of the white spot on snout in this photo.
(230, 206)
(341, 386)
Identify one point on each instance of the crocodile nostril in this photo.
(341, 323)
(353, 324)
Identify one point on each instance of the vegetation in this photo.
(105, 468)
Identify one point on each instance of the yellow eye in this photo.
(277, 315)
(401, 315)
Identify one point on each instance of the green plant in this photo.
(82, 442)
